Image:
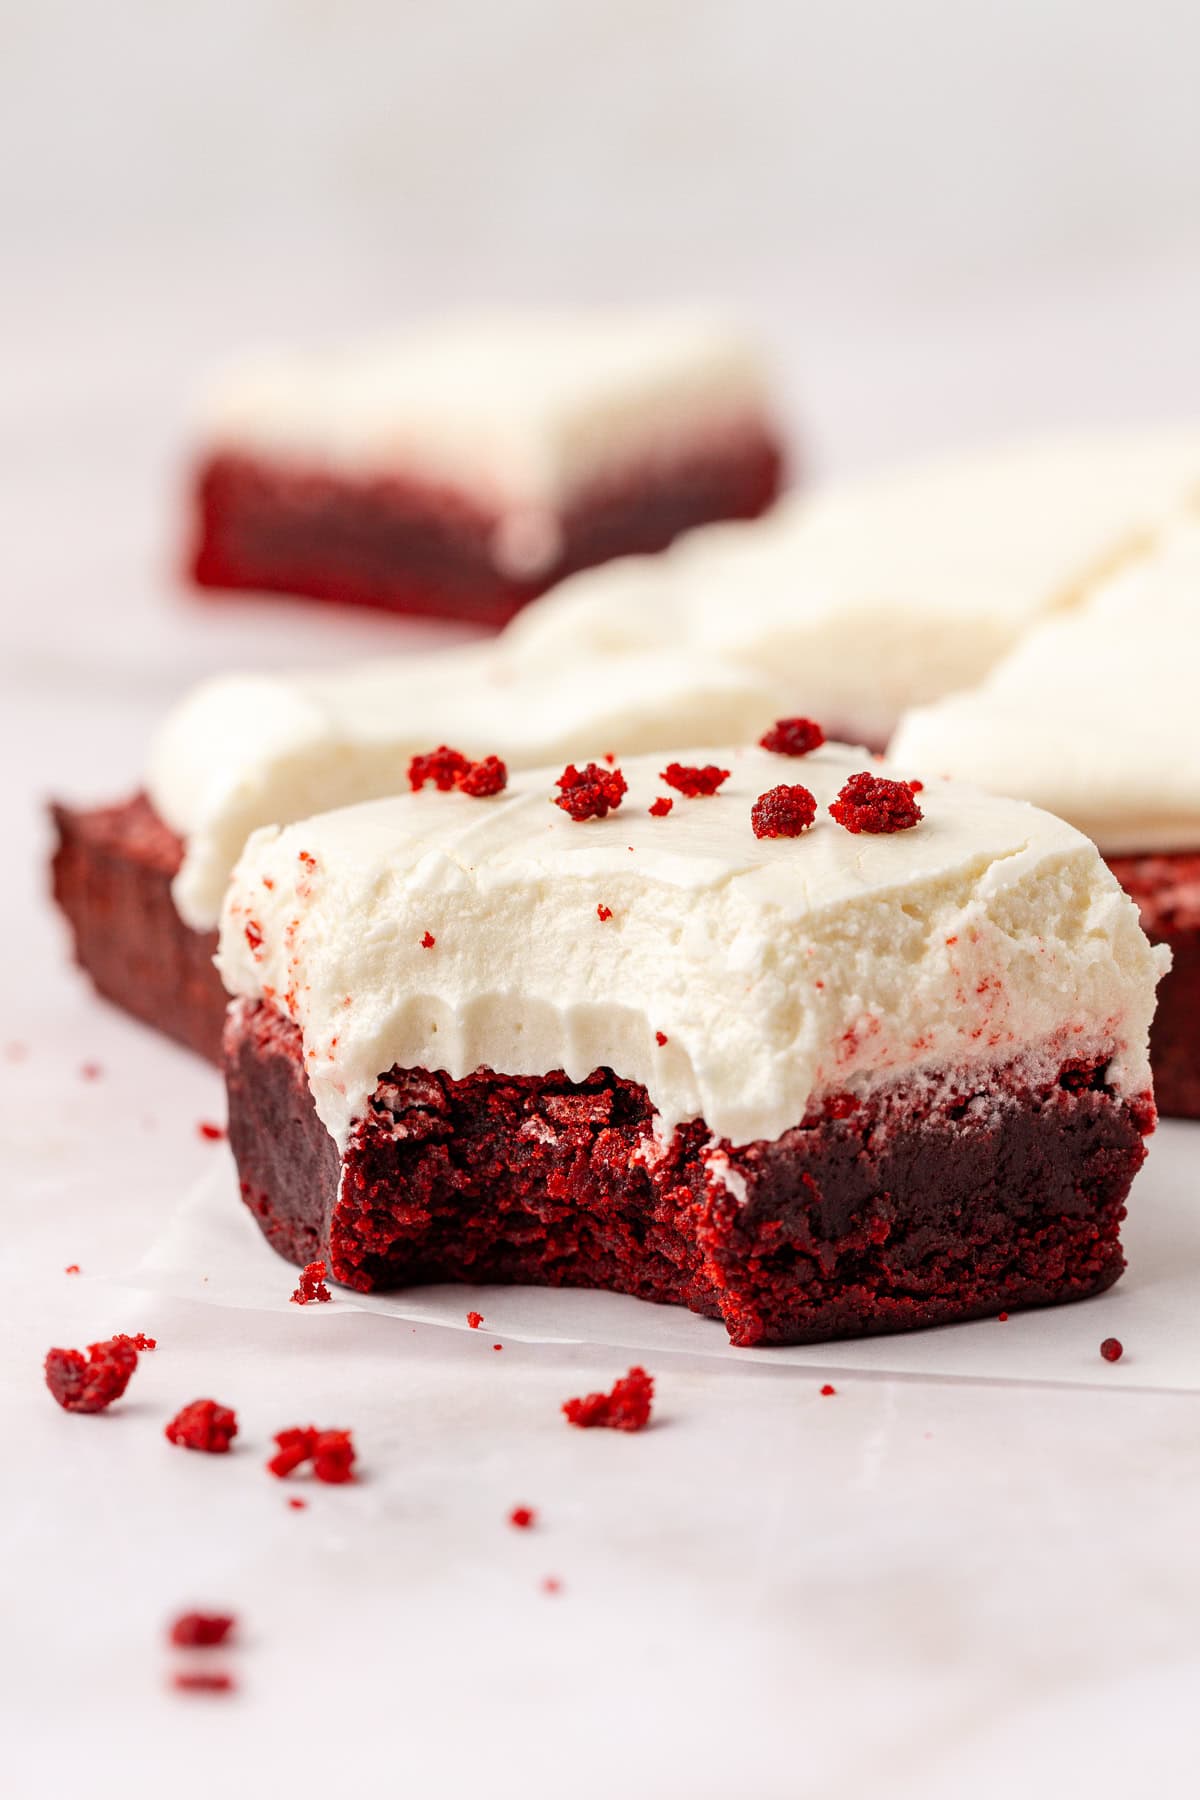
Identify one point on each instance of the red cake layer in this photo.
(915, 1208)
(1167, 891)
(406, 547)
(112, 872)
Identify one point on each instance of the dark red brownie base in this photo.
(1167, 891)
(112, 871)
(905, 1211)
(406, 548)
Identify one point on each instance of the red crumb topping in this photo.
(71, 1269)
(331, 1453)
(660, 1038)
(443, 766)
(428, 941)
(199, 1631)
(783, 812)
(603, 912)
(87, 1384)
(474, 1320)
(694, 783)
(296, 1503)
(625, 1408)
(203, 1681)
(203, 1425)
(1003, 1318)
(497, 1346)
(1112, 1349)
(483, 779)
(254, 937)
(661, 807)
(829, 1388)
(874, 804)
(522, 1517)
(792, 737)
(91, 1071)
(139, 1340)
(312, 1284)
(212, 1132)
(590, 792)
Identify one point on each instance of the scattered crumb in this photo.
(590, 792)
(214, 1133)
(71, 1269)
(312, 1285)
(199, 1631)
(694, 783)
(783, 812)
(792, 737)
(877, 805)
(474, 1320)
(1112, 1349)
(603, 913)
(296, 1503)
(625, 1408)
(522, 1517)
(497, 1346)
(89, 1384)
(331, 1453)
(202, 1681)
(203, 1425)
(829, 1388)
(1003, 1318)
(660, 807)
(551, 1584)
(660, 1038)
(428, 941)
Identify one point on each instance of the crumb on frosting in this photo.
(784, 811)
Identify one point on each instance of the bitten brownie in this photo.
(885, 1069)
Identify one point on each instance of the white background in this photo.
(948, 220)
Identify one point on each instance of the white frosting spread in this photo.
(521, 409)
(249, 750)
(873, 596)
(776, 970)
(1093, 715)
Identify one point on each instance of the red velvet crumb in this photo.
(661, 807)
(312, 1284)
(71, 1269)
(522, 1517)
(590, 792)
(1112, 1349)
(1003, 1318)
(876, 805)
(428, 941)
(443, 766)
(660, 1038)
(203, 1425)
(483, 779)
(694, 783)
(603, 913)
(625, 1408)
(474, 1320)
(783, 812)
(139, 1340)
(212, 1132)
(89, 1384)
(296, 1503)
(202, 1681)
(199, 1631)
(792, 737)
(829, 1388)
(330, 1452)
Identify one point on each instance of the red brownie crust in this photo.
(406, 547)
(111, 872)
(1167, 891)
(915, 1208)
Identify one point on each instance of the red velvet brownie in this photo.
(879, 1073)
(466, 468)
(1092, 717)
(112, 872)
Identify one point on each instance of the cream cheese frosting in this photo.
(249, 750)
(522, 409)
(738, 979)
(1093, 715)
(877, 595)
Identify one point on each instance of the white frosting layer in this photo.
(249, 750)
(777, 970)
(1093, 716)
(519, 409)
(878, 595)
